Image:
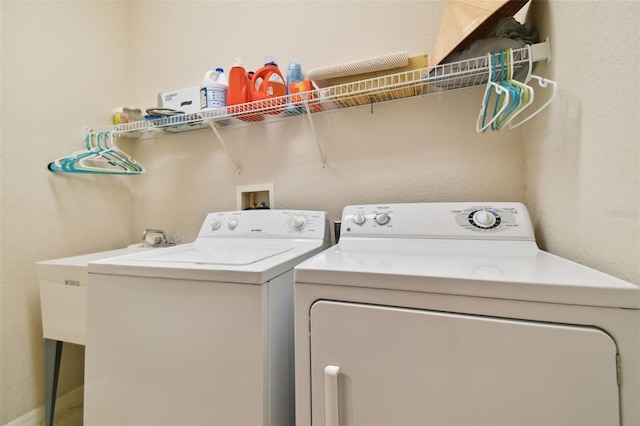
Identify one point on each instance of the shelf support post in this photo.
(313, 129)
(541, 51)
(212, 125)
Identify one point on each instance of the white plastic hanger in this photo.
(542, 82)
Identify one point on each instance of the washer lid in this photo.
(215, 255)
(238, 260)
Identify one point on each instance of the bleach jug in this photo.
(213, 92)
(268, 83)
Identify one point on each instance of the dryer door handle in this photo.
(331, 373)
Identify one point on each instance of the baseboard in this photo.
(35, 417)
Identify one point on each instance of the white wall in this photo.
(582, 158)
(64, 65)
(93, 56)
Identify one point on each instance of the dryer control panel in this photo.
(266, 223)
(487, 218)
(495, 221)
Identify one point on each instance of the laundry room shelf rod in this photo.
(415, 83)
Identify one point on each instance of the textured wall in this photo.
(415, 150)
(63, 67)
(582, 159)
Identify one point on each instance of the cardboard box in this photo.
(186, 100)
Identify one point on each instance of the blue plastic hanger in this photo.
(101, 156)
(524, 92)
(501, 101)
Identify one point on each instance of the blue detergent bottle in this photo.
(294, 74)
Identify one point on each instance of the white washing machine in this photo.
(449, 314)
(202, 333)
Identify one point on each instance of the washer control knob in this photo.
(215, 225)
(298, 222)
(232, 223)
(359, 218)
(484, 218)
(382, 218)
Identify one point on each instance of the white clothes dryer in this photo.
(449, 314)
(202, 333)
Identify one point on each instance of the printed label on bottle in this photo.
(275, 78)
(213, 98)
(203, 98)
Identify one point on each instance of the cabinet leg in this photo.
(52, 355)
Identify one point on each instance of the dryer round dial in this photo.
(485, 219)
(233, 223)
(215, 225)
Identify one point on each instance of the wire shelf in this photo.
(419, 82)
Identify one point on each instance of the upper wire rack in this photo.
(418, 82)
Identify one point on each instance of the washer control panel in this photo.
(499, 220)
(271, 223)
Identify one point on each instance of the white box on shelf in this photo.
(186, 100)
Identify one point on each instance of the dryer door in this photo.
(374, 365)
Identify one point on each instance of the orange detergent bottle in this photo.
(238, 91)
(268, 84)
(238, 94)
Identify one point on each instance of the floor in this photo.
(69, 416)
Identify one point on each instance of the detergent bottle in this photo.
(238, 84)
(268, 83)
(239, 95)
(213, 92)
(294, 75)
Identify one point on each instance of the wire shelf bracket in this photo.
(313, 130)
(212, 125)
